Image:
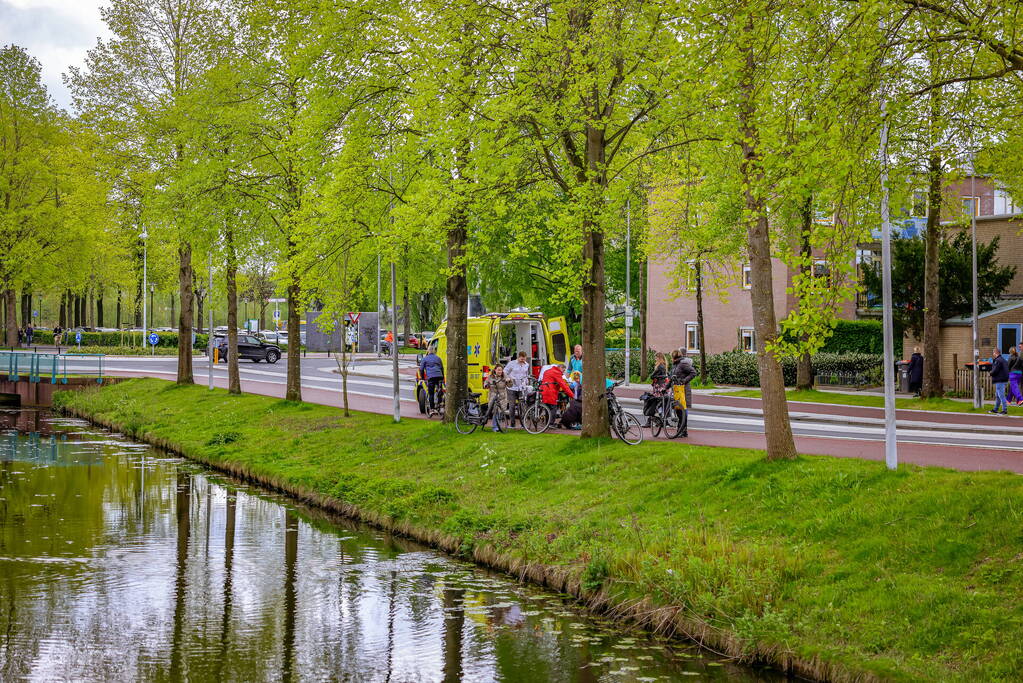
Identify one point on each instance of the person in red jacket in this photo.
(552, 381)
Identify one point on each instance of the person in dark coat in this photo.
(916, 371)
(682, 373)
(999, 377)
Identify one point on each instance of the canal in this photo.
(120, 562)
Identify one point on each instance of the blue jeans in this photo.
(1000, 397)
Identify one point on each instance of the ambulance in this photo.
(496, 338)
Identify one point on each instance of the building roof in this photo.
(1002, 307)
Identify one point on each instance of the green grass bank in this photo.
(833, 568)
(944, 405)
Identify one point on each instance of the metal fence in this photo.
(50, 367)
(964, 384)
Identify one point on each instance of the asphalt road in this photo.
(720, 419)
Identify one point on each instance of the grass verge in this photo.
(944, 405)
(828, 567)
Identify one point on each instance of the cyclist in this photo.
(433, 370)
(497, 383)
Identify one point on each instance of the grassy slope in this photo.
(913, 574)
(944, 405)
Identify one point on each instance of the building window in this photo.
(691, 276)
(821, 268)
(692, 337)
(747, 277)
(747, 340)
(971, 206)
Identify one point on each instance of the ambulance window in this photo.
(560, 351)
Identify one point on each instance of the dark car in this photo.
(251, 347)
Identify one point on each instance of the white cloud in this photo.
(56, 32)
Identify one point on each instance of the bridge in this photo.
(32, 378)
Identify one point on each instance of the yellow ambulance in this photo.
(497, 338)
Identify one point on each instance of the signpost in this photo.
(354, 317)
(154, 339)
(78, 339)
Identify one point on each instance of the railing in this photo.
(53, 367)
(964, 383)
(838, 379)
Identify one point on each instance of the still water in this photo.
(119, 562)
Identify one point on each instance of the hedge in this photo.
(739, 367)
(860, 336)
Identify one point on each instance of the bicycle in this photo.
(439, 401)
(666, 419)
(539, 416)
(471, 414)
(624, 425)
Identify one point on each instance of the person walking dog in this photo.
(999, 377)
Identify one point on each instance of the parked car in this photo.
(251, 347)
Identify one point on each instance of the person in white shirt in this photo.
(517, 372)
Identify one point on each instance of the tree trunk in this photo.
(99, 309)
(932, 386)
(456, 370)
(700, 337)
(595, 419)
(62, 312)
(118, 309)
(138, 304)
(234, 385)
(778, 430)
(78, 310)
(804, 366)
(185, 318)
(262, 314)
(10, 317)
(26, 308)
(171, 298)
(406, 311)
(200, 301)
(644, 369)
(294, 387)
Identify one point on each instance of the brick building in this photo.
(728, 316)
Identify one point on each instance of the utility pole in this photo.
(628, 290)
(978, 397)
(891, 448)
(378, 306)
(394, 347)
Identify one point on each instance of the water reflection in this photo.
(119, 563)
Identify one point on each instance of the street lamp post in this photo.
(978, 398)
(145, 266)
(628, 290)
(891, 452)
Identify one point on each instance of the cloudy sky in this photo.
(56, 32)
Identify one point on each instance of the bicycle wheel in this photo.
(537, 419)
(465, 423)
(627, 427)
(502, 420)
(679, 425)
(656, 425)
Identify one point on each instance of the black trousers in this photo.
(431, 388)
(516, 406)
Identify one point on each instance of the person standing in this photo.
(29, 333)
(575, 362)
(517, 372)
(1015, 376)
(432, 369)
(682, 373)
(352, 338)
(497, 386)
(999, 377)
(57, 331)
(915, 371)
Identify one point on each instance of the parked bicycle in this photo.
(472, 414)
(624, 425)
(539, 416)
(663, 417)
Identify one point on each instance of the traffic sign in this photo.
(354, 317)
(154, 338)
(78, 337)
(277, 314)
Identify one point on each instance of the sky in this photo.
(56, 32)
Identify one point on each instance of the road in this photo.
(952, 440)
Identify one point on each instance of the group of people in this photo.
(509, 388)
(664, 381)
(25, 335)
(1006, 376)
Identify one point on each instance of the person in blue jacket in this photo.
(999, 377)
(432, 369)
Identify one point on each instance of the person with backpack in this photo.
(682, 373)
(999, 378)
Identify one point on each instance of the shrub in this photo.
(124, 339)
(860, 336)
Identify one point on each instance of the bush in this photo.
(860, 336)
(122, 339)
(737, 367)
